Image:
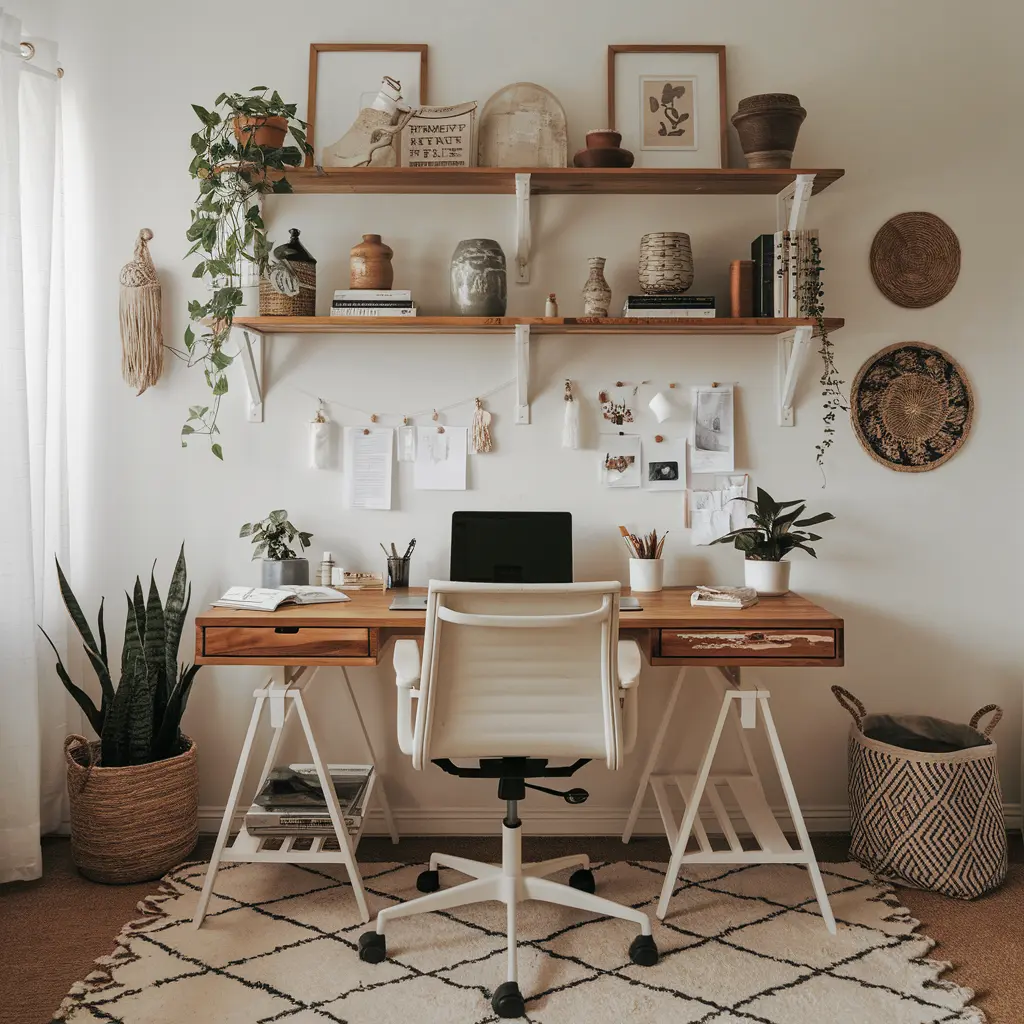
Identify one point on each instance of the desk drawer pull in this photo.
(286, 629)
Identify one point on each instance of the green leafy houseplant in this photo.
(772, 537)
(139, 721)
(234, 170)
(273, 535)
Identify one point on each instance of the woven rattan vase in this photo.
(135, 823)
(666, 263)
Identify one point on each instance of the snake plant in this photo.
(139, 721)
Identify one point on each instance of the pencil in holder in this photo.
(398, 572)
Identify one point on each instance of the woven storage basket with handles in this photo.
(926, 818)
(134, 823)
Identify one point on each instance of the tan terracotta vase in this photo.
(370, 264)
(263, 131)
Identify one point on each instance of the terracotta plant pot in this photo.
(768, 125)
(370, 264)
(268, 132)
(603, 150)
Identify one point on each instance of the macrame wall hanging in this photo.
(319, 439)
(142, 340)
(481, 433)
(571, 426)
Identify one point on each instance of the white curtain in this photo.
(34, 711)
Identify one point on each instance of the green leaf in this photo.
(75, 609)
(278, 516)
(822, 517)
(220, 386)
(179, 596)
(202, 113)
(246, 530)
(221, 360)
(83, 700)
(218, 451)
(186, 429)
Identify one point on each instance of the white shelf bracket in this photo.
(523, 372)
(791, 203)
(251, 354)
(793, 347)
(523, 230)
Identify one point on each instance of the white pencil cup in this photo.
(646, 575)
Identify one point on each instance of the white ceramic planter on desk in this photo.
(767, 578)
(646, 575)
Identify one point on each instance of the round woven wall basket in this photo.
(135, 823)
(915, 259)
(911, 406)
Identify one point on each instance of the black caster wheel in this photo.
(428, 881)
(583, 880)
(372, 948)
(507, 1000)
(643, 951)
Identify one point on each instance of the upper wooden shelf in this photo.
(554, 180)
(537, 325)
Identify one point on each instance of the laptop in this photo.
(509, 547)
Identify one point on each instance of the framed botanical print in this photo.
(668, 102)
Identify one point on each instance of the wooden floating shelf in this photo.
(768, 326)
(553, 180)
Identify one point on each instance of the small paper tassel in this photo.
(481, 432)
(319, 440)
(571, 427)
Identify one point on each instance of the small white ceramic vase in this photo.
(767, 578)
(646, 575)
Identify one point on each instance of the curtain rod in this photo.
(28, 51)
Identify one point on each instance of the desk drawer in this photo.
(748, 643)
(285, 642)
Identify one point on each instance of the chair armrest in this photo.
(407, 664)
(629, 664)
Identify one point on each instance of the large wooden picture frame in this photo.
(669, 127)
(408, 52)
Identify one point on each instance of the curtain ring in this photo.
(28, 50)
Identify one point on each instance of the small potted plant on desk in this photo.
(272, 537)
(766, 543)
(134, 794)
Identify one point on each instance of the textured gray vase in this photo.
(666, 263)
(479, 286)
(285, 572)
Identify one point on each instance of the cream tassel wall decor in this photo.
(481, 434)
(319, 439)
(571, 427)
(142, 340)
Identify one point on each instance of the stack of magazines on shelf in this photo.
(291, 801)
(366, 302)
(681, 306)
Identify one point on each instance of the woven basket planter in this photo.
(274, 303)
(135, 823)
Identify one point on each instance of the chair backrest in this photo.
(512, 670)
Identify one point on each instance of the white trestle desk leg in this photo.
(229, 811)
(381, 795)
(652, 758)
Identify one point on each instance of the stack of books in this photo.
(291, 801)
(366, 302)
(723, 597)
(781, 265)
(698, 306)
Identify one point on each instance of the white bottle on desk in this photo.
(326, 567)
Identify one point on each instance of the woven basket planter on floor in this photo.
(135, 823)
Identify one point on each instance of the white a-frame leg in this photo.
(282, 696)
(740, 707)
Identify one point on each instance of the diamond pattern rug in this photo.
(741, 945)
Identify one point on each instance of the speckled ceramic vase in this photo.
(478, 279)
(596, 293)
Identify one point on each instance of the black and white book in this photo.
(371, 304)
(671, 301)
(373, 310)
(373, 294)
(267, 599)
(630, 312)
(276, 812)
(723, 597)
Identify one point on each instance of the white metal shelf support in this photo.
(522, 373)
(793, 347)
(791, 203)
(250, 351)
(523, 240)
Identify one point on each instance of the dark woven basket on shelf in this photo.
(135, 823)
(915, 259)
(274, 303)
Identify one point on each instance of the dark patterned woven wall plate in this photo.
(915, 259)
(911, 407)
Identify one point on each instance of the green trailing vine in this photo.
(227, 229)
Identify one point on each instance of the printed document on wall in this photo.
(714, 445)
(440, 459)
(368, 455)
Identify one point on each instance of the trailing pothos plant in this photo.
(233, 170)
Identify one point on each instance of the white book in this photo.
(265, 599)
(373, 295)
(351, 311)
(723, 597)
(668, 314)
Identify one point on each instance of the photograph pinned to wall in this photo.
(345, 80)
(665, 465)
(441, 458)
(620, 460)
(668, 103)
(368, 460)
(440, 137)
(616, 404)
(713, 448)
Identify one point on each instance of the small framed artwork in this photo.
(345, 77)
(668, 102)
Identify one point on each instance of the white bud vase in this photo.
(596, 293)
(767, 578)
(646, 575)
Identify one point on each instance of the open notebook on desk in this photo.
(265, 599)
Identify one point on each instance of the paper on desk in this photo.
(369, 454)
(440, 459)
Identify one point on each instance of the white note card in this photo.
(440, 459)
(369, 454)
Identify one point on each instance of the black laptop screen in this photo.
(512, 547)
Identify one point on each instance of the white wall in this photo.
(913, 99)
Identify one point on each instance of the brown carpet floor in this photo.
(52, 929)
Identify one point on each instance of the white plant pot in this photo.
(766, 578)
(646, 575)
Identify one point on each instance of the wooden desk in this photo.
(777, 631)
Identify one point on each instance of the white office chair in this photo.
(512, 676)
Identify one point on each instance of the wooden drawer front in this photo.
(285, 642)
(748, 643)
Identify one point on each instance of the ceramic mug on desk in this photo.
(646, 575)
